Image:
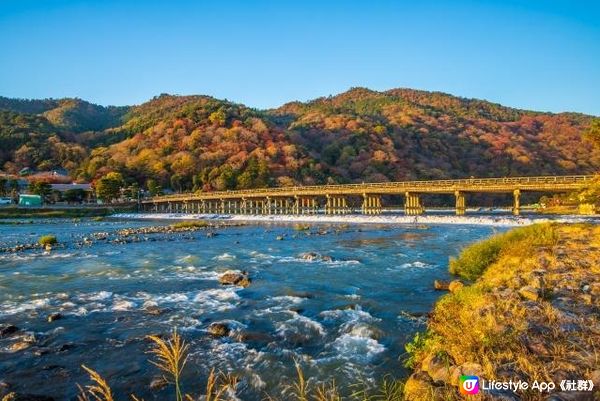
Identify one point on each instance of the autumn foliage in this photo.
(201, 143)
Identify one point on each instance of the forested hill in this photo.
(198, 142)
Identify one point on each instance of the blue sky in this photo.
(541, 55)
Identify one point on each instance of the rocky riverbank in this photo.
(182, 230)
(532, 313)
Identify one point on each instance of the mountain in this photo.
(199, 142)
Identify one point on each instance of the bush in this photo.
(47, 240)
(189, 224)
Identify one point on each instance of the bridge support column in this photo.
(460, 203)
(306, 205)
(517, 202)
(336, 204)
(371, 204)
(412, 205)
(267, 206)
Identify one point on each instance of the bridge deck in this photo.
(479, 185)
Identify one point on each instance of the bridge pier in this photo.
(517, 202)
(412, 205)
(371, 204)
(336, 204)
(306, 205)
(461, 207)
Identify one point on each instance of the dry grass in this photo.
(171, 357)
(510, 336)
(99, 391)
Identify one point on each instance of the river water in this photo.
(346, 319)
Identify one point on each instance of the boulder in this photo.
(153, 310)
(466, 369)
(310, 256)
(7, 330)
(441, 285)
(219, 329)
(417, 387)
(529, 292)
(19, 346)
(437, 367)
(54, 316)
(455, 285)
(231, 277)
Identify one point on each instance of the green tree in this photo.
(40, 188)
(177, 182)
(108, 188)
(226, 179)
(153, 187)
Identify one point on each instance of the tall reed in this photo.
(100, 390)
(171, 357)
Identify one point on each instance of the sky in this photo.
(541, 55)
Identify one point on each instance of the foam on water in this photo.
(225, 256)
(357, 348)
(300, 328)
(418, 264)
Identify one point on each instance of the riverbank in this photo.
(486, 220)
(532, 313)
(13, 212)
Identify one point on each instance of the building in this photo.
(30, 200)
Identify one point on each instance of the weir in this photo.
(336, 199)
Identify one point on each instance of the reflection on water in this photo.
(345, 314)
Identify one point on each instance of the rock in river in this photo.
(232, 277)
(7, 330)
(54, 316)
(218, 329)
(441, 285)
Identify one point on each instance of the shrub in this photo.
(47, 240)
(189, 224)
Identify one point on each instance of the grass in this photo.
(12, 212)
(473, 260)
(47, 240)
(489, 326)
(170, 357)
(189, 225)
(99, 390)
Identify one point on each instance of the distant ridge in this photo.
(199, 142)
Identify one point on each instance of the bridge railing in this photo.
(412, 185)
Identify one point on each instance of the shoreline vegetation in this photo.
(531, 313)
(526, 309)
(12, 212)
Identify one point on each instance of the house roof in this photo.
(66, 187)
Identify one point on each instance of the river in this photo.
(347, 318)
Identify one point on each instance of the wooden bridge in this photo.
(349, 198)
